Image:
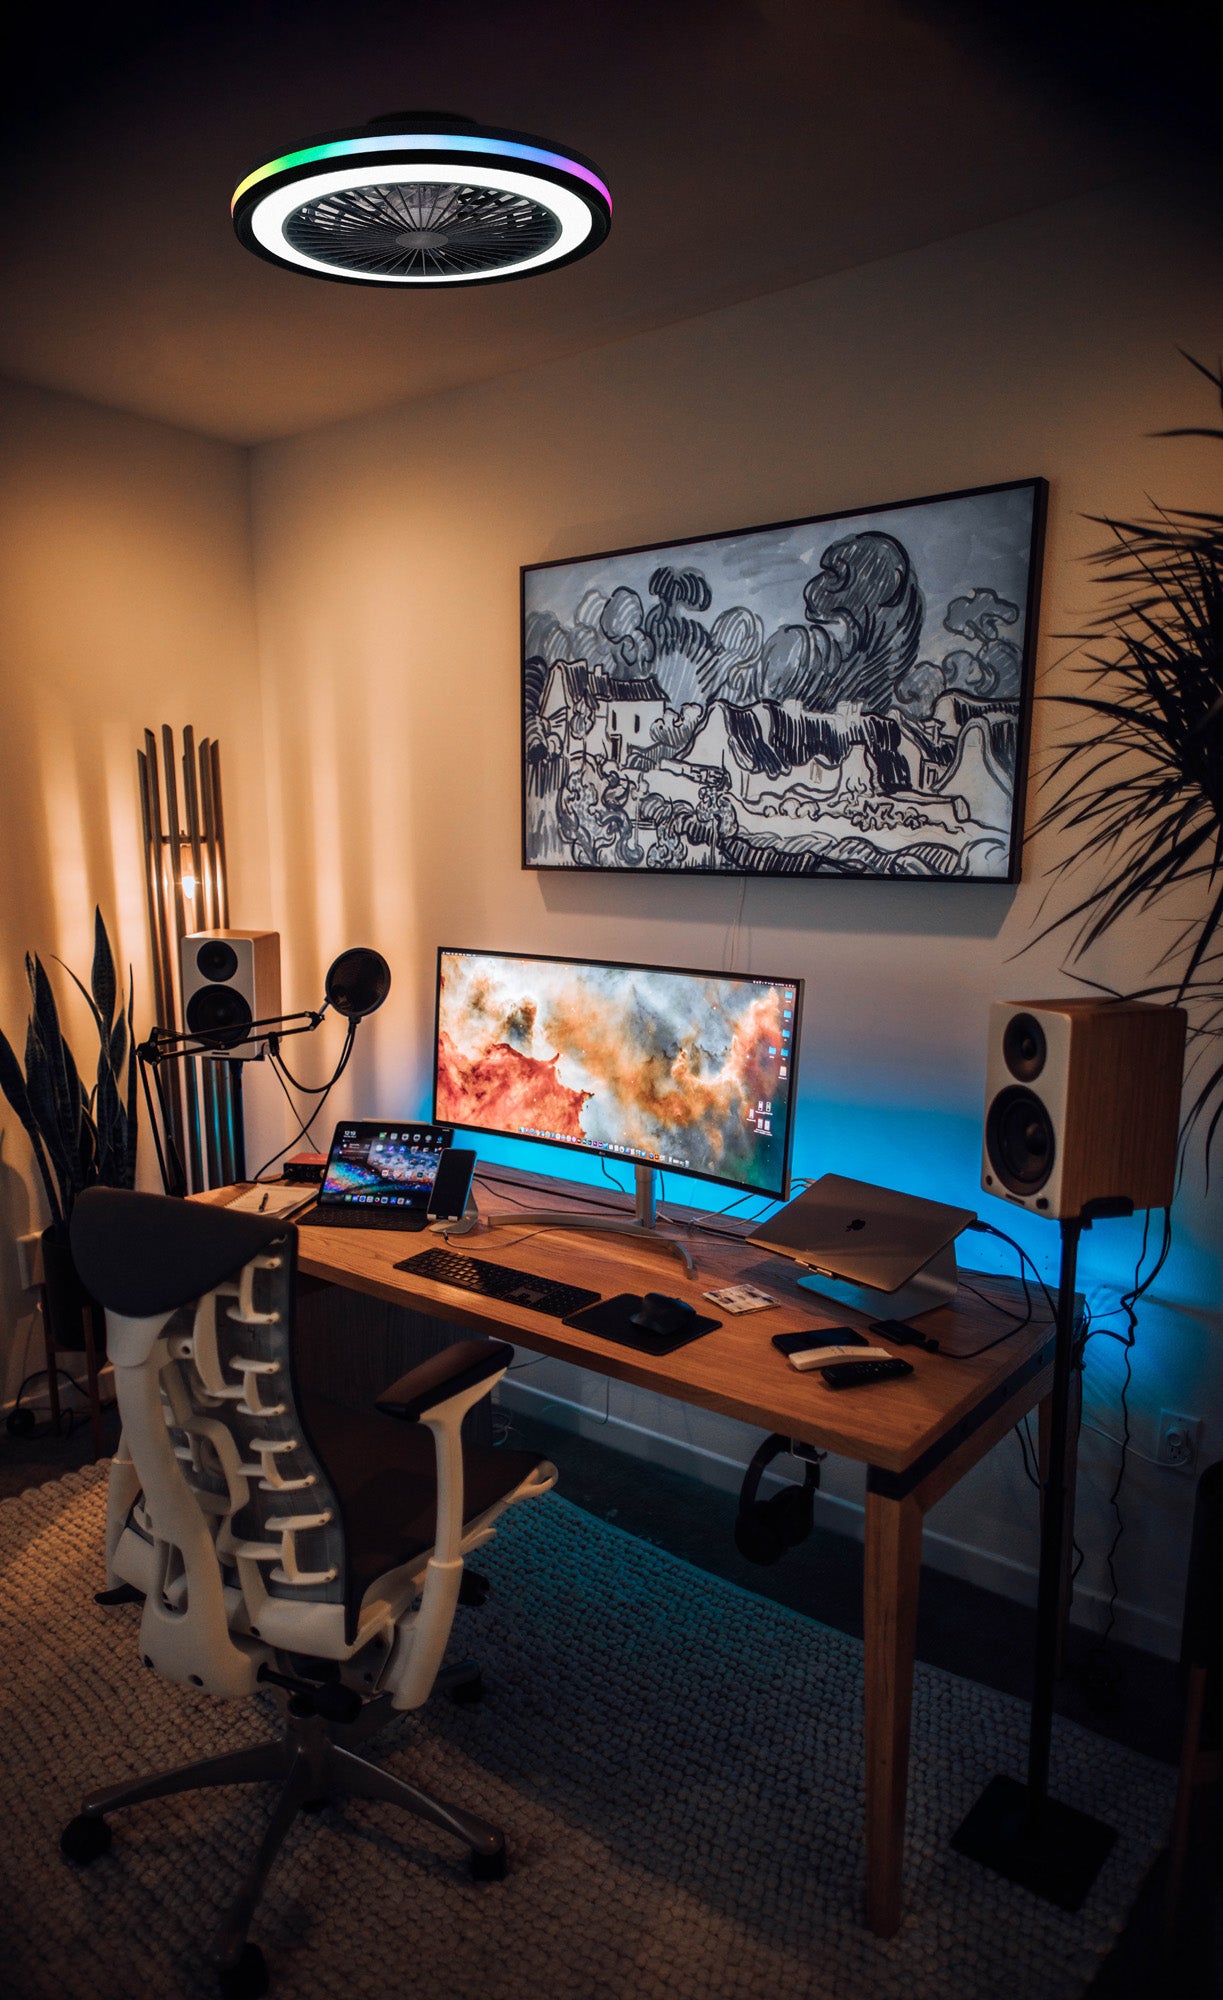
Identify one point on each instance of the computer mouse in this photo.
(659, 1313)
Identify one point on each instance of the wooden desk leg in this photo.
(893, 1570)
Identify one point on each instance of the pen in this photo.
(263, 1204)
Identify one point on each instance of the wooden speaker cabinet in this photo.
(1082, 1103)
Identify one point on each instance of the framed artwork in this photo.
(847, 695)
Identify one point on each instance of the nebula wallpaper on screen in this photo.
(685, 1070)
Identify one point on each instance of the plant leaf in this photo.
(102, 975)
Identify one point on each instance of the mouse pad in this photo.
(610, 1319)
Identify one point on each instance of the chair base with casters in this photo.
(278, 1539)
(315, 1762)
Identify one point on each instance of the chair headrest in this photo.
(141, 1254)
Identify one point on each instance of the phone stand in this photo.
(461, 1225)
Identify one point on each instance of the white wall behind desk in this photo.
(387, 553)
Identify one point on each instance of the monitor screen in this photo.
(373, 1164)
(686, 1071)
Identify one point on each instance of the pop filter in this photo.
(358, 982)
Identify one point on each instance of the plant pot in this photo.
(67, 1300)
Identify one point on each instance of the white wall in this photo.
(126, 594)
(387, 557)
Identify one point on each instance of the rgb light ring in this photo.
(567, 187)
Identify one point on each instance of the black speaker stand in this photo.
(1016, 1829)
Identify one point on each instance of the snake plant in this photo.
(81, 1137)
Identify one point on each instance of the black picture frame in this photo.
(845, 694)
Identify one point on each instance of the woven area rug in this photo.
(677, 1765)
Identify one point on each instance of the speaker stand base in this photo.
(1058, 1858)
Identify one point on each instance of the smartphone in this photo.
(448, 1198)
(817, 1336)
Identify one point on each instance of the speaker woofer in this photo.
(1024, 1050)
(219, 1016)
(1020, 1140)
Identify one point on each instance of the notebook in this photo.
(379, 1175)
(866, 1235)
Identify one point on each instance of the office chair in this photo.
(276, 1537)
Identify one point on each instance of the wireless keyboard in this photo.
(499, 1281)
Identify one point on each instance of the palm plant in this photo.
(1140, 791)
(81, 1137)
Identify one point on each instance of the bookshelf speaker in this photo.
(1082, 1103)
(230, 978)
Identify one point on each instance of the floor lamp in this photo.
(187, 887)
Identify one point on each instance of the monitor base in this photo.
(934, 1285)
(602, 1225)
(643, 1225)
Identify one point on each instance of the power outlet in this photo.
(1178, 1441)
(29, 1261)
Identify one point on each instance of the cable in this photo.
(315, 1089)
(988, 1229)
(1101, 1680)
(1132, 1449)
(1025, 1445)
(284, 1077)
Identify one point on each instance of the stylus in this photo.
(819, 1357)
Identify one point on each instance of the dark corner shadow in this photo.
(912, 909)
(15, 1221)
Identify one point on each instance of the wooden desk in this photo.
(916, 1436)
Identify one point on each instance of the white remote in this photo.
(819, 1357)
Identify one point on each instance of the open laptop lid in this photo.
(866, 1235)
(383, 1169)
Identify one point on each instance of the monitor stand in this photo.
(934, 1285)
(644, 1223)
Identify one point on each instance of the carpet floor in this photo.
(677, 1765)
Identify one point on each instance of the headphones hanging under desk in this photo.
(765, 1529)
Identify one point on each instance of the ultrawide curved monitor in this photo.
(680, 1070)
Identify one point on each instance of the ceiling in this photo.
(749, 145)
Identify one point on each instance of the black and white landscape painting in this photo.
(844, 696)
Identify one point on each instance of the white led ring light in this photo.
(422, 208)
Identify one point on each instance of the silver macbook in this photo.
(862, 1234)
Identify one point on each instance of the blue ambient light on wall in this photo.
(422, 198)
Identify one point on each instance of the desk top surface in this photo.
(734, 1369)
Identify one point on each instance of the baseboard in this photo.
(1133, 1624)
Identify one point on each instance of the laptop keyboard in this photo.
(361, 1218)
(499, 1281)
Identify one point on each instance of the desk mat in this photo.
(611, 1319)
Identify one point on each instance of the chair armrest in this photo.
(444, 1375)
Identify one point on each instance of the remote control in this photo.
(857, 1373)
(819, 1357)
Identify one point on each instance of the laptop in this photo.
(380, 1174)
(864, 1235)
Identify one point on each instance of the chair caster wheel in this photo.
(473, 1588)
(489, 1867)
(247, 1978)
(21, 1423)
(84, 1839)
(313, 1805)
(465, 1694)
